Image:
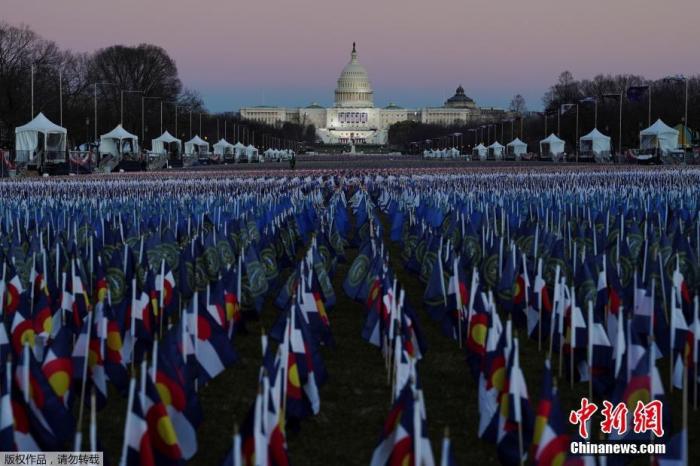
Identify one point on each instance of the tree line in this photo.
(128, 80)
(598, 102)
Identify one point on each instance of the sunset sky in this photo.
(284, 52)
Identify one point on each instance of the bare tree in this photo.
(145, 71)
(517, 105)
(20, 49)
(191, 99)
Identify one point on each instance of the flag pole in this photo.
(127, 424)
(695, 356)
(32, 79)
(576, 143)
(555, 300)
(560, 330)
(93, 421)
(595, 113)
(590, 350)
(649, 110)
(60, 97)
(671, 339)
(79, 432)
(444, 456)
(685, 118)
(539, 305)
(619, 143)
(684, 438)
(572, 341)
(517, 408)
(237, 460)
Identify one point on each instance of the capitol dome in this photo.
(354, 88)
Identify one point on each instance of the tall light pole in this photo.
(177, 107)
(595, 113)
(685, 117)
(680, 78)
(521, 126)
(143, 100)
(512, 128)
(60, 95)
(649, 111)
(121, 104)
(558, 121)
(576, 142)
(619, 143)
(32, 88)
(100, 84)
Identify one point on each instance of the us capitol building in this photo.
(355, 119)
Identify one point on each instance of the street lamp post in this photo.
(95, 95)
(685, 116)
(177, 107)
(576, 142)
(521, 126)
(143, 99)
(512, 127)
(60, 95)
(619, 143)
(121, 112)
(32, 92)
(558, 121)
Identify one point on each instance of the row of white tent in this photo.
(41, 134)
(516, 147)
(200, 148)
(658, 136)
(279, 155)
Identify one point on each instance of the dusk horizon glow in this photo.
(416, 53)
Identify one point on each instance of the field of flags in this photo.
(382, 317)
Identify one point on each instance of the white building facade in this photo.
(355, 120)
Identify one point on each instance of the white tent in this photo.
(118, 142)
(496, 149)
(239, 150)
(40, 134)
(252, 153)
(196, 146)
(271, 154)
(594, 143)
(516, 147)
(480, 151)
(453, 152)
(659, 135)
(160, 144)
(223, 147)
(551, 146)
